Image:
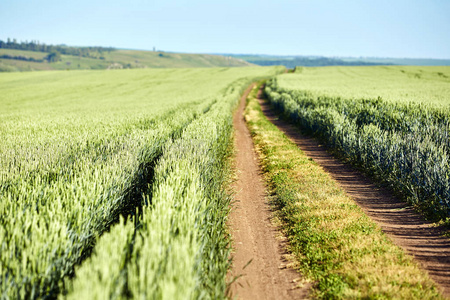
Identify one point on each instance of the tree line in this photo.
(21, 57)
(91, 52)
(51, 57)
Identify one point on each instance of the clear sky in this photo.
(382, 28)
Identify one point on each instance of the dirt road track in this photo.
(405, 227)
(254, 237)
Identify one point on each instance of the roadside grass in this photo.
(335, 244)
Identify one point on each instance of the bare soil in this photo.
(401, 223)
(259, 261)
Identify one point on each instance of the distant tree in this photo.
(53, 56)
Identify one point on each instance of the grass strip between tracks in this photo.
(335, 244)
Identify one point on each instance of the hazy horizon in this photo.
(377, 29)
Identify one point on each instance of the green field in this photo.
(393, 122)
(114, 183)
(428, 85)
(116, 177)
(118, 59)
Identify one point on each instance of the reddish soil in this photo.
(259, 263)
(403, 225)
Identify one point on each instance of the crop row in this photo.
(55, 208)
(405, 145)
(179, 249)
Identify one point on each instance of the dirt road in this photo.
(258, 256)
(405, 227)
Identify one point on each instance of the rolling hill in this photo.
(21, 60)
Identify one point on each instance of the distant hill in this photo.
(34, 56)
(402, 61)
(318, 61)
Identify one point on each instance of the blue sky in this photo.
(381, 28)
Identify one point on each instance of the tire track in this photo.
(258, 262)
